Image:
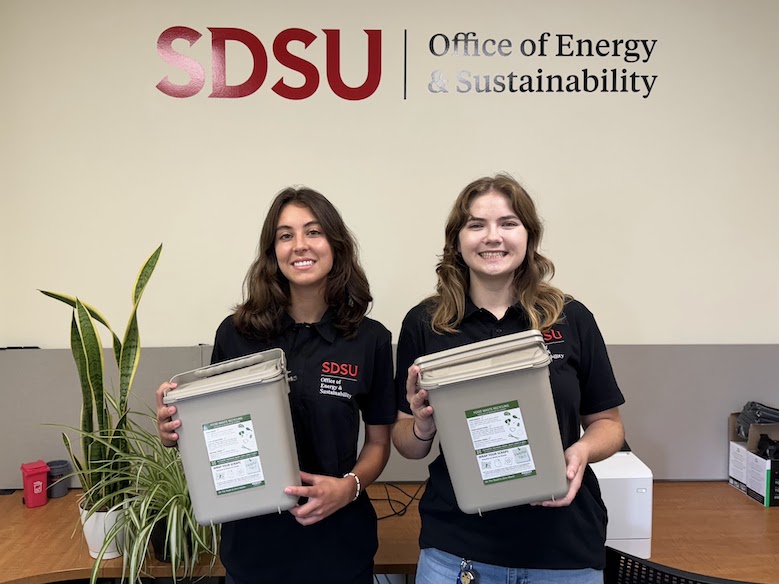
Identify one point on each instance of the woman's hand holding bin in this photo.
(325, 494)
(423, 427)
(166, 426)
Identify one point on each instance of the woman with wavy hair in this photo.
(493, 281)
(307, 294)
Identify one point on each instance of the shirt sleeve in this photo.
(599, 388)
(410, 346)
(380, 407)
(218, 353)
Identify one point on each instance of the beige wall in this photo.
(661, 211)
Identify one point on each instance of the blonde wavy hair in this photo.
(542, 302)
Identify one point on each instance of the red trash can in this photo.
(35, 481)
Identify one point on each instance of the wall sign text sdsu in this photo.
(280, 52)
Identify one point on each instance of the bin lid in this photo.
(525, 350)
(30, 468)
(58, 465)
(262, 367)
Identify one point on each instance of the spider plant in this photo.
(102, 440)
(153, 490)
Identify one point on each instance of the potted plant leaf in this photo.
(156, 501)
(103, 415)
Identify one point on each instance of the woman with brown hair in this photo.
(307, 294)
(493, 281)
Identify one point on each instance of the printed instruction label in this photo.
(500, 441)
(232, 452)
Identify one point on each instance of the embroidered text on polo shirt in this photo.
(553, 337)
(333, 377)
(346, 369)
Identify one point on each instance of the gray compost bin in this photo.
(496, 420)
(236, 438)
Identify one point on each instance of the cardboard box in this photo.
(748, 472)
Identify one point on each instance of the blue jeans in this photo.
(437, 567)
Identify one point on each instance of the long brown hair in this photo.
(542, 301)
(266, 290)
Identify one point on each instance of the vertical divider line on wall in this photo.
(405, 61)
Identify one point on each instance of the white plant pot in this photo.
(95, 528)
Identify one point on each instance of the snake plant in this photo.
(102, 439)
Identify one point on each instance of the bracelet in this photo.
(357, 479)
(414, 431)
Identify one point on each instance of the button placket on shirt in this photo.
(302, 345)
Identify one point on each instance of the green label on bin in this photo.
(500, 442)
(233, 455)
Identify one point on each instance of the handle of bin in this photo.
(496, 370)
(490, 351)
(231, 365)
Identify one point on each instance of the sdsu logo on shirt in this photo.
(334, 376)
(554, 337)
(345, 369)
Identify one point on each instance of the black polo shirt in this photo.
(332, 381)
(582, 383)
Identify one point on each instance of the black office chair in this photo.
(622, 568)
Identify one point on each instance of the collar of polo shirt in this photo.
(325, 327)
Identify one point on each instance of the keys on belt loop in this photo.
(466, 574)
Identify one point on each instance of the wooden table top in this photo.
(45, 544)
(714, 529)
(702, 527)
